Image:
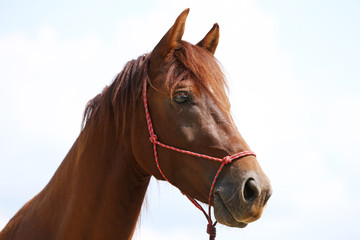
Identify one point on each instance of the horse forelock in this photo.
(196, 63)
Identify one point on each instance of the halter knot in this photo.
(227, 160)
(211, 230)
(153, 138)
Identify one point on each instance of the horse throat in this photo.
(96, 193)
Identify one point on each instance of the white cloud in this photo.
(49, 80)
(3, 222)
(148, 234)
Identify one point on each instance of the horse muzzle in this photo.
(237, 204)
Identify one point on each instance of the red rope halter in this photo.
(225, 160)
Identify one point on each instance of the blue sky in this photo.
(293, 71)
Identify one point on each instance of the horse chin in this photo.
(223, 215)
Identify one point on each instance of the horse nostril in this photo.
(251, 190)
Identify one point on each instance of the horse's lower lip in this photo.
(223, 215)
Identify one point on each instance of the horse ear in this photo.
(211, 40)
(170, 41)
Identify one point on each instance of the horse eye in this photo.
(181, 97)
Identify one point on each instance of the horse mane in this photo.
(119, 99)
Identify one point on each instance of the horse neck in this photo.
(96, 193)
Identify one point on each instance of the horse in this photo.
(165, 115)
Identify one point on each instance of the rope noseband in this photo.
(226, 160)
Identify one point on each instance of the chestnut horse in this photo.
(98, 190)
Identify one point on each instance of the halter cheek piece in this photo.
(226, 160)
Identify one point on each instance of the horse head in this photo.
(189, 109)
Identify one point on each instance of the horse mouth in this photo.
(223, 215)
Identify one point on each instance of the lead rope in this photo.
(211, 230)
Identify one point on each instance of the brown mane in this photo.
(189, 62)
(117, 99)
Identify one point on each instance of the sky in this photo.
(293, 72)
